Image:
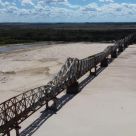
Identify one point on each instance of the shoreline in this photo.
(7, 48)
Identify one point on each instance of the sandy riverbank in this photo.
(31, 67)
(105, 106)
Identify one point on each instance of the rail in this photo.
(18, 108)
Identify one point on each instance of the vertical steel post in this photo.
(17, 130)
(8, 133)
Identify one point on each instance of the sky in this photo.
(67, 11)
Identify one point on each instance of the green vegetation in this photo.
(20, 33)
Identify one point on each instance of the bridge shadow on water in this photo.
(46, 114)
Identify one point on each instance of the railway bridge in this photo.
(18, 108)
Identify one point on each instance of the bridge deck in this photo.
(106, 106)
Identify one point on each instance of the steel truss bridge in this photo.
(18, 108)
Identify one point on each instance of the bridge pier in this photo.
(114, 54)
(54, 106)
(125, 45)
(17, 132)
(17, 127)
(104, 63)
(93, 73)
(120, 49)
(73, 88)
(8, 133)
(47, 105)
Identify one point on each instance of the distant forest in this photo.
(68, 32)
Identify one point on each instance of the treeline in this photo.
(21, 34)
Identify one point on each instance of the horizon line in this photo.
(61, 22)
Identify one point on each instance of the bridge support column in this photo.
(93, 73)
(125, 45)
(73, 88)
(8, 133)
(17, 132)
(47, 105)
(54, 106)
(120, 49)
(104, 63)
(17, 127)
(114, 54)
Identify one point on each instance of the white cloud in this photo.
(92, 7)
(118, 9)
(55, 1)
(27, 2)
(60, 10)
(108, 1)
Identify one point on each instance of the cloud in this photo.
(27, 2)
(63, 10)
(93, 7)
(108, 1)
(55, 1)
(118, 9)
